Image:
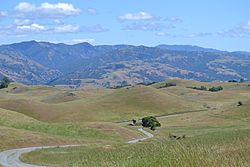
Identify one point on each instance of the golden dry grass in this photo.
(46, 115)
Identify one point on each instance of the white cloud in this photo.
(56, 21)
(3, 13)
(161, 34)
(46, 10)
(136, 16)
(193, 35)
(198, 35)
(33, 27)
(60, 8)
(20, 28)
(240, 31)
(91, 11)
(95, 28)
(75, 41)
(246, 26)
(25, 7)
(67, 28)
(22, 22)
(146, 22)
(173, 19)
(145, 26)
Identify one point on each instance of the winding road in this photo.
(149, 135)
(11, 158)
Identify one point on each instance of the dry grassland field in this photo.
(210, 128)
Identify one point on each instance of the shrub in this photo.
(167, 85)
(212, 89)
(240, 103)
(215, 89)
(203, 88)
(199, 88)
(232, 80)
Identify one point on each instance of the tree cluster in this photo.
(215, 88)
(4, 83)
(199, 88)
(212, 89)
(167, 85)
(150, 122)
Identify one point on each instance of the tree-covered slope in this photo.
(111, 65)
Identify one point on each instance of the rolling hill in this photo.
(216, 128)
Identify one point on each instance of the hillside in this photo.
(213, 123)
(55, 105)
(114, 65)
(19, 68)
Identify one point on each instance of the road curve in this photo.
(149, 135)
(10, 158)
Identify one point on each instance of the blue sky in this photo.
(221, 24)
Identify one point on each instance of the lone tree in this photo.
(150, 122)
(4, 83)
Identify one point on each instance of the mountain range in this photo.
(87, 65)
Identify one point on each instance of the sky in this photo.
(219, 24)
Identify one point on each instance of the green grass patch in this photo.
(230, 148)
(75, 130)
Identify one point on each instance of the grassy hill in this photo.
(218, 135)
(51, 104)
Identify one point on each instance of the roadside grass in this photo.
(222, 149)
(17, 138)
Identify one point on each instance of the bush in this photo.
(150, 122)
(4, 83)
(203, 88)
(199, 88)
(167, 85)
(240, 103)
(146, 83)
(215, 89)
(232, 80)
(212, 89)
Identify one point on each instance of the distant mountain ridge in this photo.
(86, 65)
(188, 48)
